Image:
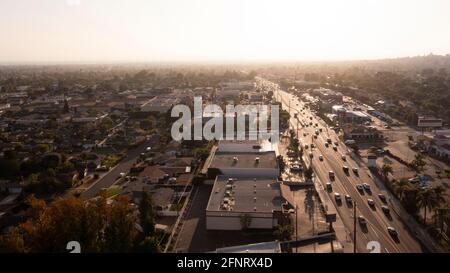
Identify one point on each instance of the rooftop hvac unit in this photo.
(257, 159)
(254, 199)
(254, 208)
(235, 158)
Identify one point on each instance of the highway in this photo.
(345, 183)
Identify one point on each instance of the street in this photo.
(345, 183)
(122, 167)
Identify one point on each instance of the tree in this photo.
(149, 245)
(400, 187)
(355, 149)
(281, 163)
(427, 200)
(309, 173)
(41, 148)
(98, 226)
(147, 215)
(386, 169)
(120, 229)
(283, 232)
(418, 164)
(246, 221)
(9, 167)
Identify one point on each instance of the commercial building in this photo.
(244, 203)
(244, 164)
(345, 116)
(363, 134)
(429, 122)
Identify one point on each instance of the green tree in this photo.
(427, 200)
(418, 164)
(147, 215)
(400, 188)
(149, 245)
(309, 173)
(386, 169)
(283, 232)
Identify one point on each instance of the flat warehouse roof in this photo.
(244, 195)
(266, 160)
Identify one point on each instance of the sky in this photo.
(95, 31)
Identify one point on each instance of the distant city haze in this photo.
(85, 31)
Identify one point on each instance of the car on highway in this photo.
(360, 187)
(311, 154)
(331, 174)
(371, 202)
(392, 231)
(328, 186)
(382, 197)
(306, 146)
(345, 168)
(315, 136)
(362, 221)
(321, 157)
(336, 143)
(312, 145)
(337, 196)
(329, 140)
(366, 186)
(335, 148)
(355, 170)
(386, 210)
(343, 157)
(320, 129)
(326, 144)
(349, 199)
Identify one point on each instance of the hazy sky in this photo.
(220, 30)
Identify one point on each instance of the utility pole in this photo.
(354, 227)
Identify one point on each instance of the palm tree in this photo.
(440, 193)
(427, 199)
(400, 187)
(386, 169)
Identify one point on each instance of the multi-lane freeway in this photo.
(332, 157)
